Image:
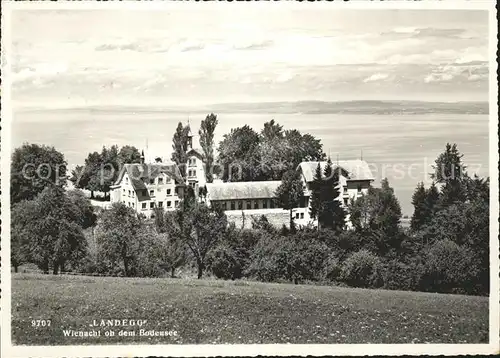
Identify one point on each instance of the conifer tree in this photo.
(315, 209)
(332, 213)
(419, 201)
(450, 172)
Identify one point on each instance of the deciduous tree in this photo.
(207, 130)
(33, 168)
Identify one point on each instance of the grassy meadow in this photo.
(213, 311)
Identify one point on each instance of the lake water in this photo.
(399, 147)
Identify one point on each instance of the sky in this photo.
(83, 58)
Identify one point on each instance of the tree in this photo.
(207, 129)
(179, 147)
(101, 169)
(289, 193)
(172, 251)
(420, 213)
(48, 229)
(117, 236)
(376, 217)
(128, 154)
(332, 213)
(315, 209)
(198, 227)
(239, 155)
(449, 171)
(33, 168)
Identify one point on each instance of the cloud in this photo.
(376, 77)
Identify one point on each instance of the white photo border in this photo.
(9, 350)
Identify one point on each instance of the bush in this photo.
(402, 276)
(362, 269)
(293, 258)
(224, 263)
(450, 268)
(332, 268)
(231, 256)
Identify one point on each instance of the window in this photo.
(255, 204)
(249, 204)
(143, 206)
(152, 181)
(345, 201)
(133, 205)
(124, 191)
(160, 204)
(151, 193)
(160, 181)
(126, 179)
(264, 203)
(301, 215)
(359, 188)
(168, 180)
(129, 193)
(194, 173)
(177, 203)
(169, 204)
(272, 203)
(193, 161)
(129, 203)
(297, 215)
(169, 192)
(233, 205)
(240, 205)
(151, 205)
(345, 190)
(224, 205)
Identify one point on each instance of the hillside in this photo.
(209, 311)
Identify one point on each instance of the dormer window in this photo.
(160, 181)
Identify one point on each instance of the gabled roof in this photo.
(242, 190)
(357, 169)
(140, 172)
(197, 152)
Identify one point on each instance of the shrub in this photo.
(224, 263)
(398, 275)
(450, 268)
(362, 269)
(332, 268)
(293, 258)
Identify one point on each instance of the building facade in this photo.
(144, 187)
(251, 199)
(355, 183)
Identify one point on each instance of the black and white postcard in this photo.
(249, 178)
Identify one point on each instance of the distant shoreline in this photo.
(374, 107)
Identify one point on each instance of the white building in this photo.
(195, 166)
(144, 187)
(257, 198)
(359, 178)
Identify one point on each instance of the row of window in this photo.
(191, 172)
(192, 161)
(248, 204)
(299, 215)
(158, 180)
(144, 206)
(160, 204)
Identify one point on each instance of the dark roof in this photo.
(198, 152)
(357, 169)
(138, 172)
(242, 190)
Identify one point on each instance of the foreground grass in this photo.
(239, 312)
